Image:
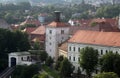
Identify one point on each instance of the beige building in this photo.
(101, 41)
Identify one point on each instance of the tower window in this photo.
(73, 48)
(62, 31)
(106, 51)
(101, 52)
(50, 31)
(79, 49)
(69, 48)
(73, 58)
(69, 57)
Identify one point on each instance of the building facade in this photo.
(101, 41)
(56, 33)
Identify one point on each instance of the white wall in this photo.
(54, 39)
(76, 53)
(19, 60)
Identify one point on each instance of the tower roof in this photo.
(58, 24)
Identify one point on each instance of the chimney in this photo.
(57, 16)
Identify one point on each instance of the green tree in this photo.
(42, 75)
(88, 60)
(108, 11)
(49, 61)
(58, 62)
(25, 71)
(110, 62)
(11, 41)
(21, 41)
(106, 75)
(66, 68)
(43, 56)
(36, 45)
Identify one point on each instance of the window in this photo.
(73, 48)
(73, 58)
(106, 51)
(50, 43)
(22, 58)
(79, 49)
(69, 57)
(62, 31)
(69, 48)
(50, 31)
(101, 52)
(116, 52)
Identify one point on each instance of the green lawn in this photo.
(51, 72)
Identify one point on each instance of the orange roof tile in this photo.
(40, 30)
(97, 38)
(63, 46)
(39, 39)
(29, 29)
(58, 24)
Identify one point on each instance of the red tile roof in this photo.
(28, 21)
(83, 22)
(58, 24)
(39, 39)
(107, 25)
(40, 30)
(63, 46)
(29, 29)
(97, 38)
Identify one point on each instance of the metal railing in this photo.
(7, 72)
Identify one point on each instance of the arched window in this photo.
(101, 52)
(73, 48)
(116, 52)
(73, 58)
(106, 51)
(79, 49)
(69, 57)
(62, 31)
(69, 48)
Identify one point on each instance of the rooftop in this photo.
(96, 38)
(63, 46)
(40, 30)
(19, 53)
(58, 24)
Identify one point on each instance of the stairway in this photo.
(7, 72)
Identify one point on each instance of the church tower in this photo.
(56, 33)
(119, 21)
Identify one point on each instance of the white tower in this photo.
(119, 22)
(56, 33)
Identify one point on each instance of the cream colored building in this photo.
(20, 58)
(101, 41)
